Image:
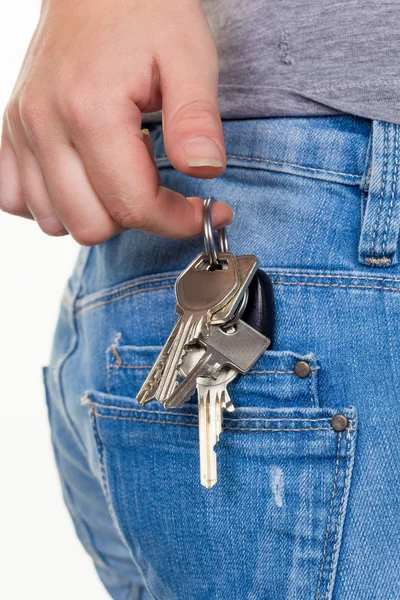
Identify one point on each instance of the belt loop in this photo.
(380, 228)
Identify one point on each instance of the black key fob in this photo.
(259, 312)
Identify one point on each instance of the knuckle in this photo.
(91, 237)
(81, 111)
(50, 225)
(11, 113)
(131, 217)
(12, 206)
(203, 111)
(32, 113)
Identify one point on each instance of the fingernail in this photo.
(146, 132)
(202, 152)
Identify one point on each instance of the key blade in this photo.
(209, 430)
(149, 388)
(175, 356)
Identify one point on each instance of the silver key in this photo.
(199, 292)
(239, 349)
(212, 397)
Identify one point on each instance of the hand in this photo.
(73, 155)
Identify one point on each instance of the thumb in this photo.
(193, 135)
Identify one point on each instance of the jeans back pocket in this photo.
(271, 527)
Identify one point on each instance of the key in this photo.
(199, 292)
(238, 349)
(212, 397)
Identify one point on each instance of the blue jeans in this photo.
(301, 510)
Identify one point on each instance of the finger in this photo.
(11, 195)
(36, 195)
(193, 133)
(124, 176)
(74, 199)
(68, 186)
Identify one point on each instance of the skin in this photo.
(73, 155)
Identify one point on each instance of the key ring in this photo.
(209, 240)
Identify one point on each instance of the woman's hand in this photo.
(73, 155)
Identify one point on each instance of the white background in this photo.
(40, 557)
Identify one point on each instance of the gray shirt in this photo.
(307, 57)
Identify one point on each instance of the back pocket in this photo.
(271, 527)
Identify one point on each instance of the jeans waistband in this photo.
(342, 149)
(332, 148)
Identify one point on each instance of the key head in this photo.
(239, 347)
(247, 268)
(199, 288)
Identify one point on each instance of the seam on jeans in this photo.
(344, 285)
(394, 186)
(280, 429)
(279, 163)
(331, 276)
(342, 503)
(328, 524)
(60, 365)
(91, 307)
(163, 412)
(100, 450)
(261, 372)
(159, 422)
(87, 301)
(383, 185)
(338, 285)
(135, 283)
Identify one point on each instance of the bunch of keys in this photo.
(225, 324)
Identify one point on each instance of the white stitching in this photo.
(328, 524)
(88, 308)
(338, 285)
(383, 184)
(278, 163)
(82, 302)
(158, 421)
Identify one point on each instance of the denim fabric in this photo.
(301, 511)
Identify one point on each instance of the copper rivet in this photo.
(302, 369)
(339, 422)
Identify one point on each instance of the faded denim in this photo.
(301, 511)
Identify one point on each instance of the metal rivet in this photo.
(339, 422)
(302, 369)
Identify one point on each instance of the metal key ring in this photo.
(209, 240)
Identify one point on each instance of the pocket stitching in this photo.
(346, 487)
(327, 529)
(160, 422)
